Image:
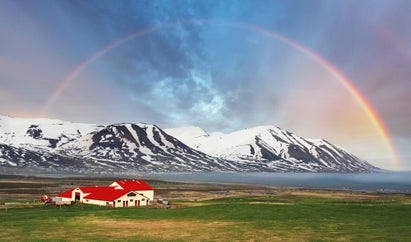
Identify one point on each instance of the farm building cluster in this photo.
(121, 193)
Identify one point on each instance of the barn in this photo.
(121, 193)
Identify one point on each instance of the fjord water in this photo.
(383, 182)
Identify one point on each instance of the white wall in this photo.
(95, 202)
(77, 190)
(123, 201)
(131, 201)
(149, 194)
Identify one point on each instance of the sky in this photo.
(220, 65)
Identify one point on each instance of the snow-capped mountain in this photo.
(65, 146)
(137, 147)
(41, 133)
(142, 147)
(272, 148)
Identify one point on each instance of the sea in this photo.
(382, 182)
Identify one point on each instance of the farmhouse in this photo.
(121, 193)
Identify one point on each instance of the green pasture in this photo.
(246, 218)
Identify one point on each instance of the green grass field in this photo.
(241, 218)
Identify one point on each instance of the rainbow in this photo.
(73, 74)
(350, 87)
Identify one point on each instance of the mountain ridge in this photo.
(140, 147)
(274, 147)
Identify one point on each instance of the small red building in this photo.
(121, 193)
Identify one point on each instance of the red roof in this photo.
(105, 193)
(134, 185)
(109, 193)
(66, 194)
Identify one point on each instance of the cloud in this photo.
(206, 73)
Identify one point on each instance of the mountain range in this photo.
(61, 146)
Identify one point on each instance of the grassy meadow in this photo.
(285, 216)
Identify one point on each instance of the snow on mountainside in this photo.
(65, 146)
(274, 149)
(41, 133)
(137, 147)
(142, 147)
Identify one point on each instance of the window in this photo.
(119, 201)
(131, 200)
(131, 194)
